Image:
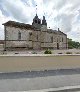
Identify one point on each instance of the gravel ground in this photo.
(38, 63)
(74, 51)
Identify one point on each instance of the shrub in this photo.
(77, 52)
(16, 53)
(48, 52)
(34, 52)
(68, 52)
(60, 53)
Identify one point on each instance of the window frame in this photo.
(19, 35)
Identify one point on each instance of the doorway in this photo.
(57, 45)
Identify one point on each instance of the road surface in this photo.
(26, 81)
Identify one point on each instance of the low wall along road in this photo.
(37, 63)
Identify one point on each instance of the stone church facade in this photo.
(35, 36)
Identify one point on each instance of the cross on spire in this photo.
(36, 9)
(44, 13)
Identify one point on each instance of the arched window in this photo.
(52, 39)
(30, 35)
(62, 39)
(38, 22)
(37, 37)
(35, 21)
(57, 40)
(19, 35)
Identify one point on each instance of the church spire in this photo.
(44, 21)
(36, 10)
(36, 21)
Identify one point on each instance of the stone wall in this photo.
(12, 37)
(18, 43)
(35, 39)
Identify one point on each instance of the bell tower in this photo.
(44, 21)
(44, 24)
(36, 21)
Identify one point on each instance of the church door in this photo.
(57, 45)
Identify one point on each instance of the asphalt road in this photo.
(26, 81)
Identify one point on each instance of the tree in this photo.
(73, 44)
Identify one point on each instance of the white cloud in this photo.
(18, 10)
(59, 13)
(2, 20)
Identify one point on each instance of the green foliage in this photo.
(68, 52)
(77, 52)
(48, 52)
(73, 44)
(34, 52)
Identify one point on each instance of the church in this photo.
(37, 36)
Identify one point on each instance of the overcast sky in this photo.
(64, 14)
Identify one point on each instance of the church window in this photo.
(35, 21)
(57, 40)
(38, 22)
(30, 33)
(52, 39)
(37, 37)
(62, 39)
(19, 35)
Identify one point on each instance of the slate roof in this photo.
(55, 32)
(28, 26)
(17, 24)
